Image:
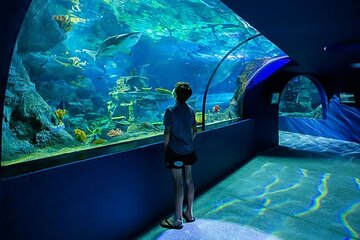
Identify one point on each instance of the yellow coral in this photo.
(60, 114)
(98, 141)
(198, 117)
(64, 22)
(80, 135)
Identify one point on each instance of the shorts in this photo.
(174, 160)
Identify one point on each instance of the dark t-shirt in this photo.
(181, 119)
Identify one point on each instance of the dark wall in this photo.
(114, 196)
(11, 18)
(257, 105)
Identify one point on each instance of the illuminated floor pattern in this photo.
(309, 188)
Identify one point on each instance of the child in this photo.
(180, 131)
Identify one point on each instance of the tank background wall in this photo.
(114, 196)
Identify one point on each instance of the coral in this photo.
(121, 87)
(60, 114)
(98, 141)
(198, 117)
(80, 135)
(114, 132)
(64, 22)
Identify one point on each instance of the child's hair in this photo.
(183, 91)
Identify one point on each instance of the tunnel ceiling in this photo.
(303, 28)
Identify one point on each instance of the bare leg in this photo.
(190, 192)
(179, 195)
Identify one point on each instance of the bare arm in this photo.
(167, 136)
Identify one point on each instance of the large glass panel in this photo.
(92, 73)
(224, 99)
(301, 98)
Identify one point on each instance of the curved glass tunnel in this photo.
(88, 74)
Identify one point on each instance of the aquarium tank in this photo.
(92, 73)
(301, 98)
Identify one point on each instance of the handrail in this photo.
(215, 71)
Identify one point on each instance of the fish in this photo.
(216, 109)
(117, 43)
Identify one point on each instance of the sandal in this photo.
(188, 220)
(167, 224)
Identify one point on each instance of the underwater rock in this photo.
(87, 104)
(57, 138)
(39, 32)
(34, 62)
(86, 89)
(144, 105)
(142, 127)
(76, 121)
(42, 67)
(146, 111)
(26, 113)
(56, 91)
(75, 108)
(132, 96)
(11, 146)
(137, 82)
(93, 115)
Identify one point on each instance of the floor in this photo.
(307, 188)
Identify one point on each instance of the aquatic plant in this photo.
(80, 135)
(163, 91)
(93, 133)
(94, 130)
(60, 114)
(98, 141)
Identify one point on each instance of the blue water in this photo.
(307, 188)
(69, 52)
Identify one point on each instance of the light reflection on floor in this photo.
(309, 188)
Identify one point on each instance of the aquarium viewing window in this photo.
(347, 98)
(88, 74)
(301, 98)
